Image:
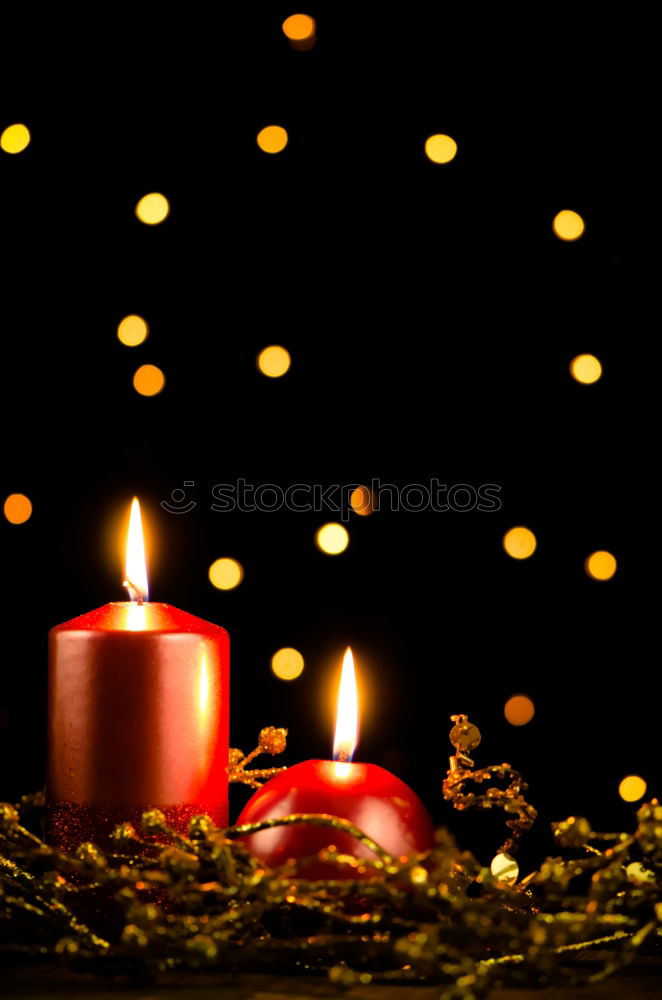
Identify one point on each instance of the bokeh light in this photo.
(226, 574)
(132, 331)
(153, 208)
(18, 508)
(440, 148)
(15, 138)
(568, 225)
(287, 663)
(362, 501)
(274, 361)
(585, 368)
(600, 565)
(148, 380)
(519, 710)
(272, 139)
(519, 542)
(632, 788)
(332, 538)
(300, 31)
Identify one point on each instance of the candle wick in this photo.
(134, 593)
(342, 757)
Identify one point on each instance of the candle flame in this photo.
(347, 717)
(135, 567)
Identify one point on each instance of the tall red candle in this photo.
(138, 716)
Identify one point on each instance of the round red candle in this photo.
(138, 718)
(374, 800)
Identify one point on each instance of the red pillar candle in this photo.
(373, 799)
(138, 714)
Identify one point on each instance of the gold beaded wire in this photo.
(201, 900)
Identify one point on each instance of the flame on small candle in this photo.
(135, 567)
(347, 717)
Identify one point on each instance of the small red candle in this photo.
(138, 714)
(374, 800)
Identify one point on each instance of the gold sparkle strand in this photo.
(502, 960)
(465, 736)
(256, 777)
(272, 740)
(583, 945)
(312, 819)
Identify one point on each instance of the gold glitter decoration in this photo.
(272, 741)
(158, 900)
(504, 868)
(465, 736)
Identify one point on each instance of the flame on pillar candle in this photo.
(347, 717)
(135, 570)
(135, 567)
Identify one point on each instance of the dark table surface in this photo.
(642, 982)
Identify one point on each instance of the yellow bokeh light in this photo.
(519, 710)
(274, 361)
(361, 501)
(272, 139)
(440, 148)
(153, 208)
(585, 368)
(287, 663)
(600, 565)
(18, 508)
(519, 542)
(225, 574)
(15, 138)
(632, 788)
(568, 225)
(132, 331)
(300, 29)
(332, 538)
(148, 380)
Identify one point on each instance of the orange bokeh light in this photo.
(362, 501)
(18, 508)
(519, 710)
(300, 31)
(148, 380)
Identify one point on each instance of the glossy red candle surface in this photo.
(374, 800)
(138, 718)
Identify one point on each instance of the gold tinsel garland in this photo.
(203, 901)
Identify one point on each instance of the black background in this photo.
(431, 315)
